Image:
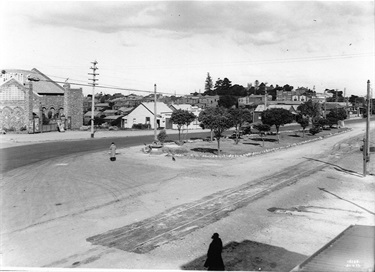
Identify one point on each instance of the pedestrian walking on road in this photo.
(214, 260)
(112, 149)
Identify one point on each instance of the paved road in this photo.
(14, 157)
(57, 216)
(23, 155)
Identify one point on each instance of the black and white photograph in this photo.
(187, 135)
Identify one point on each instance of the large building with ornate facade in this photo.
(29, 99)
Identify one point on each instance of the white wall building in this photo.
(144, 114)
(194, 109)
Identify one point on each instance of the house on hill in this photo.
(257, 116)
(193, 109)
(144, 114)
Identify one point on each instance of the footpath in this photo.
(16, 139)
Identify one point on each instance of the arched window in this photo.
(51, 113)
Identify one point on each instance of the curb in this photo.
(252, 154)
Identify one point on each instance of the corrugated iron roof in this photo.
(112, 117)
(351, 250)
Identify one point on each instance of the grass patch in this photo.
(252, 143)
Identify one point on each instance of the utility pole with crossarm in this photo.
(94, 74)
(366, 142)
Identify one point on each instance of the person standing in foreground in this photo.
(112, 149)
(214, 260)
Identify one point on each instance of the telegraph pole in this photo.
(155, 137)
(94, 74)
(366, 146)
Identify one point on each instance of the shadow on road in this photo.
(337, 167)
(252, 256)
(339, 197)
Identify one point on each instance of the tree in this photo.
(288, 88)
(323, 122)
(310, 109)
(189, 118)
(226, 84)
(206, 118)
(180, 118)
(221, 122)
(336, 115)
(304, 122)
(239, 117)
(208, 85)
(238, 90)
(218, 120)
(262, 128)
(218, 84)
(337, 96)
(222, 86)
(227, 101)
(162, 136)
(277, 117)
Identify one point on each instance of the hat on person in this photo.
(216, 235)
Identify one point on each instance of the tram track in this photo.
(144, 236)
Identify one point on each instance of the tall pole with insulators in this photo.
(155, 123)
(346, 104)
(366, 146)
(94, 74)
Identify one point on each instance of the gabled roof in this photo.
(96, 113)
(110, 112)
(182, 106)
(13, 81)
(160, 107)
(45, 85)
(113, 117)
(126, 109)
(102, 105)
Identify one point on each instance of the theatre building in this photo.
(31, 101)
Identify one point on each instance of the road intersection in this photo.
(141, 211)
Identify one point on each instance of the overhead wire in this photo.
(104, 87)
(271, 61)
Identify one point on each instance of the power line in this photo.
(105, 87)
(270, 61)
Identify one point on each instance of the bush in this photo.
(140, 126)
(162, 136)
(314, 130)
(116, 122)
(246, 130)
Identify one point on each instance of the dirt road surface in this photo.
(149, 212)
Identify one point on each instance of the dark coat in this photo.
(214, 260)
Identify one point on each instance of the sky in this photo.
(174, 44)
